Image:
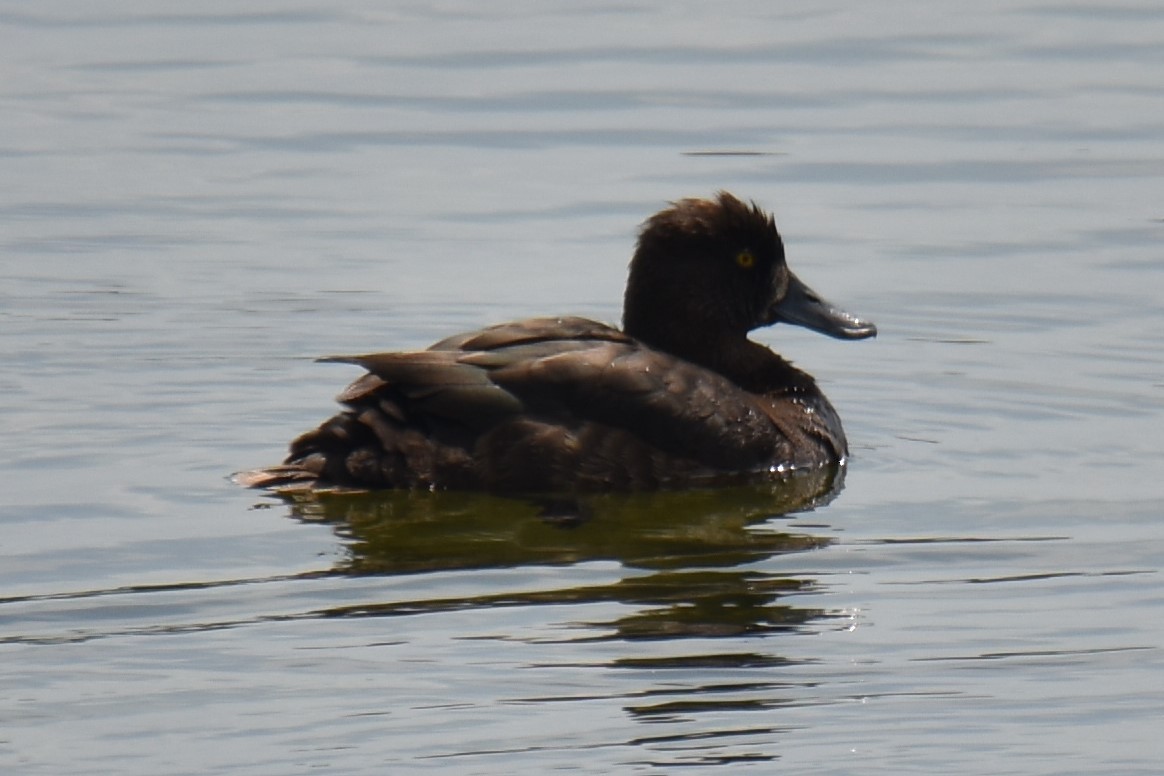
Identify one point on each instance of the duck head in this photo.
(706, 272)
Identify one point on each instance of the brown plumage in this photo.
(680, 397)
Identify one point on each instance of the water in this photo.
(199, 200)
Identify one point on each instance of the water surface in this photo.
(200, 200)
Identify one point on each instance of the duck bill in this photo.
(803, 307)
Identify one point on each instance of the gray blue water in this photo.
(198, 199)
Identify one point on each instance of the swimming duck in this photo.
(679, 397)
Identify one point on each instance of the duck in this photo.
(679, 397)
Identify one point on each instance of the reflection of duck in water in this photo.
(403, 531)
(686, 564)
(680, 397)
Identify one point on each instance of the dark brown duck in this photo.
(680, 397)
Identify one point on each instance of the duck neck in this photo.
(748, 364)
(757, 369)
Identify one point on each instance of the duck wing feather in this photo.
(568, 372)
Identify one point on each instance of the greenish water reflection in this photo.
(700, 548)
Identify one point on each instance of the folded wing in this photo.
(568, 373)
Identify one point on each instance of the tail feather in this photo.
(280, 478)
(365, 447)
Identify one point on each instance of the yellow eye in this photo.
(745, 259)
